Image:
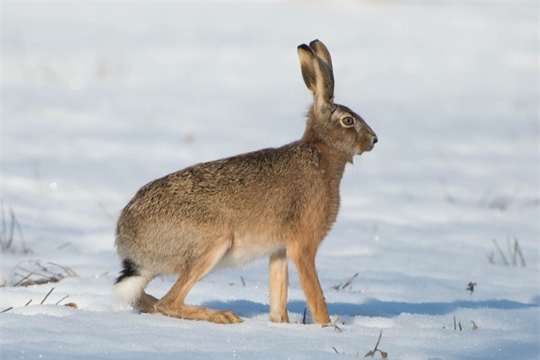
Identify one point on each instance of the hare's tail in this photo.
(129, 286)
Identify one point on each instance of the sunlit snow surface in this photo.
(100, 98)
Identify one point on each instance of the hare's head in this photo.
(336, 125)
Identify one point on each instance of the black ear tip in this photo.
(305, 48)
(314, 42)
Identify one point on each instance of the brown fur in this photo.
(273, 202)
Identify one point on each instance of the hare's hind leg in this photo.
(279, 281)
(172, 304)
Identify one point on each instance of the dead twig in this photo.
(470, 287)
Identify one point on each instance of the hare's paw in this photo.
(224, 317)
(198, 313)
(146, 304)
(279, 318)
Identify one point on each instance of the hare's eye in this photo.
(347, 121)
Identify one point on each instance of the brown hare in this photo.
(278, 202)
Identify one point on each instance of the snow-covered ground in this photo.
(100, 98)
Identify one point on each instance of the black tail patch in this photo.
(130, 269)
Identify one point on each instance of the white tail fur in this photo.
(129, 289)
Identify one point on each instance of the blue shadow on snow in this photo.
(373, 307)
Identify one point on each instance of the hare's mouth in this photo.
(365, 147)
(369, 144)
(369, 148)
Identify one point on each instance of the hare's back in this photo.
(266, 182)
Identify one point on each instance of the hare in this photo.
(277, 202)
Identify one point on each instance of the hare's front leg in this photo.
(304, 260)
(279, 281)
(172, 304)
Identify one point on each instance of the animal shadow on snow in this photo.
(373, 307)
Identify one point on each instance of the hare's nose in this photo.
(375, 140)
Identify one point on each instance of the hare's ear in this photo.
(317, 75)
(322, 52)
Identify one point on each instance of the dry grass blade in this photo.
(517, 250)
(19, 228)
(34, 272)
(62, 299)
(23, 279)
(6, 310)
(106, 212)
(346, 284)
(6, 237)
(66, 269)
(7, 233)
(349, 282)
(64, 245)
(372, 353)
(500, 252)
(513, 251)
(46, 296)
(336, 287)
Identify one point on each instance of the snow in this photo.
(99, 98)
